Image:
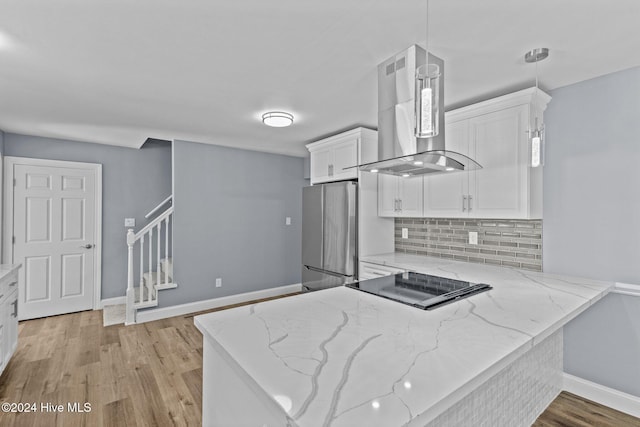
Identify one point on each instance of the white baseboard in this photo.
(606, 396)
(112, 301)
(194, 307)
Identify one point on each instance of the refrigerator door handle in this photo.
(330, 273)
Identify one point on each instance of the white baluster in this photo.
(150, 263)
(141, 265)
(158, 257)
(166, 250)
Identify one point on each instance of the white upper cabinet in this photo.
(399, 197)
(495, 134)
(333, 158)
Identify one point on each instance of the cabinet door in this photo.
(410, 195)
(387, 195)
(499, 189)
(345, 155)
(10, 332)
(444, 192)
(320, 161)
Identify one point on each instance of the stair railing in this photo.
(152, 235)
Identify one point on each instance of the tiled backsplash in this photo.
(510, 243)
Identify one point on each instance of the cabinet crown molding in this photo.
(530, 96)
(359, 131)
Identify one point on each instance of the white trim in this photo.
(194, 307)
(626, 289)
(112, 301)
(606, 396)
(7, 222)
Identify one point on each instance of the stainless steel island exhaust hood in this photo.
(399, 151)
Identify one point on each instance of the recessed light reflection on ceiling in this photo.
(5, 41)
(449, 169)
(375, 404)
(407, 385)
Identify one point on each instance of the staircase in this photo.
(149, 251)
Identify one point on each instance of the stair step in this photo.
(152, 277)
(143, 299)
(146, 304)
(165, 286)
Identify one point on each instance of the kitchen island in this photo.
(341, 357)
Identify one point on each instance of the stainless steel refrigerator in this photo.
(329, 235)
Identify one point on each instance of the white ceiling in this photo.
(118, 71)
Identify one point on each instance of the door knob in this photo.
(87, 246)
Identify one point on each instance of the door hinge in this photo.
(13, 239)
(14, 182)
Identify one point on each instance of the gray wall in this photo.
(592, 217)
(1, 142)
(133, 182)
(230, 209)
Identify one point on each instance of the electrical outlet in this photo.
(219, 282)
(287, 221)
(473, 237)
(405, 233)
(129, 222)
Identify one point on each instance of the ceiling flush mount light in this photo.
(536, 132)
(427, 111)
(277, 119)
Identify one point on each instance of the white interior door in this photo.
(55, 224)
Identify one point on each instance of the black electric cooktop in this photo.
(419, 290)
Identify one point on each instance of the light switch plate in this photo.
(129, 222)
(405, 233)
(287, 221)
(219, 282)
(473, 237)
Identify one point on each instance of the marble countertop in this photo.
(341, 357)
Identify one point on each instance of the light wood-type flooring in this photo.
(151, 375)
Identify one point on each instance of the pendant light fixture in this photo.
(427, 109)
(536, 134)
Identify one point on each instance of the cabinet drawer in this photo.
(371, 271)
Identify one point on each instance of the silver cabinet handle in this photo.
(330, 170)
(400, 209)
(464, 201)
(13, 284)
(87, 246)
(15, 309)
(469, 204)
(395, 205)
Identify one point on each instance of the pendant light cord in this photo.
(426, 42)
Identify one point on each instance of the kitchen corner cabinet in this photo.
(8, 313)
(399, 197)
(495, 134)
(331, 157)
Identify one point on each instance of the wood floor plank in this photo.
(151, 375)
(571, 410)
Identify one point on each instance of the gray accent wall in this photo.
(230, 209)
(592, 218)
(133, 182)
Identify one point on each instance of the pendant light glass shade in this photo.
(427, 100)
(536, 132)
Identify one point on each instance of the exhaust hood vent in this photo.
(399, 151)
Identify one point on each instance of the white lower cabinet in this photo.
(371, 271)
(9, 314)
(399, 197)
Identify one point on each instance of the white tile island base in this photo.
(515, 396)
